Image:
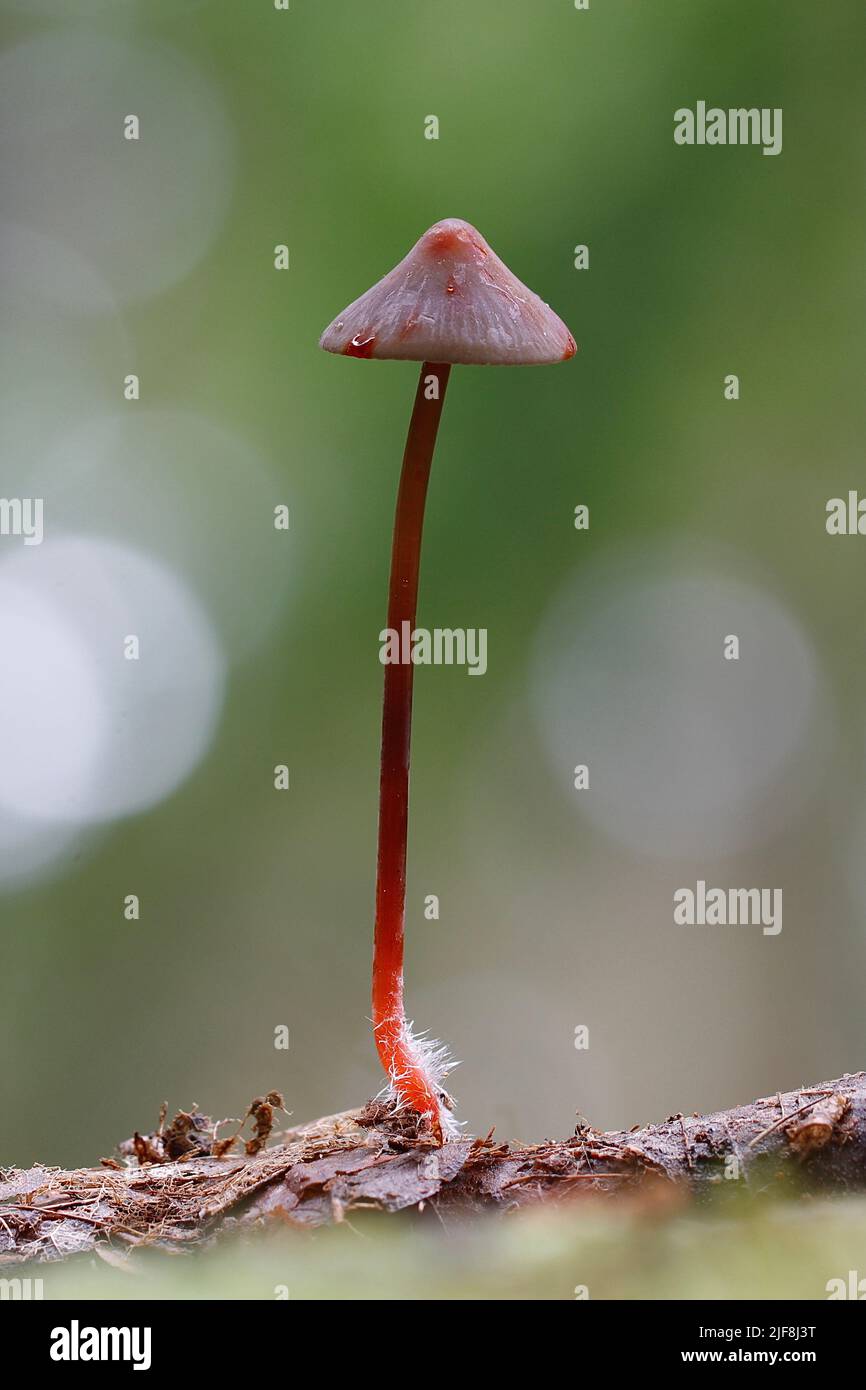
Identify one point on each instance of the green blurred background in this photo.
(707, 517)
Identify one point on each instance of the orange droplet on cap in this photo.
(360, 346)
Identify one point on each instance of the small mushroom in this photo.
(451, 300)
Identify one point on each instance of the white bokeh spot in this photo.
(686, 750)
(144, 211)
(189, 492)
(87, 736)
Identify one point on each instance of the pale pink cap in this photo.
(451, 300)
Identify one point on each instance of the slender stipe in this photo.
(403, 1059)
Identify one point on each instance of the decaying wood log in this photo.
(814, 1138)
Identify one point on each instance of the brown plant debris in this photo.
(181, 1184)
(193, 1135)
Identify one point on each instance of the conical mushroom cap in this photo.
(451, 300)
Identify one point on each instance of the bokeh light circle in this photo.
(87, 735)
(686, 750)
(144, 211)
(58, 365)
(189, 491)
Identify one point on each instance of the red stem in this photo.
(408, 1078)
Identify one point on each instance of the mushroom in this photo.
(451, 300)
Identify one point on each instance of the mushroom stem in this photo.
(407, 1063)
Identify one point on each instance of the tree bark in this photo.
(808, 1140)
